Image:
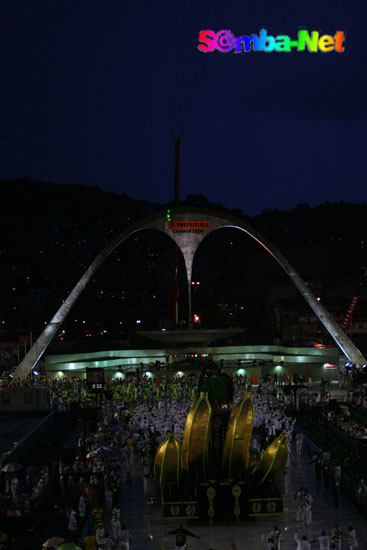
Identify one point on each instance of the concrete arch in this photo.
(35, 353)
(188, 241)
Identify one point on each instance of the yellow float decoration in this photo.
(236, 451)
(167, 461)
(273, 461)
(195, 444)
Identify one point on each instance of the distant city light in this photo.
(138, 321)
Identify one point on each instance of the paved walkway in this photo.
(148, 529)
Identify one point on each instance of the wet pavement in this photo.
(149, 530)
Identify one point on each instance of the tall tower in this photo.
(173, 290)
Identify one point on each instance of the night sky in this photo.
(92, 92)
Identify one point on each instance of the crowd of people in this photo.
(78, 487)
(139, 411)
(352, 377)
(354, 430)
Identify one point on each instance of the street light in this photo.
(196, 320)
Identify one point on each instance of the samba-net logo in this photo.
(225, 41)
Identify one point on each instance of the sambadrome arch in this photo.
(187, 228)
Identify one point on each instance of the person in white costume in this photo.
(308, 500)
(302, 543)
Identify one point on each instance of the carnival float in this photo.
(215, 474)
